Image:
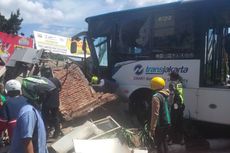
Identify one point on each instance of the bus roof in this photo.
(102, 24)
(130, 11)
(155, 7)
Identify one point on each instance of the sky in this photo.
(65, 17)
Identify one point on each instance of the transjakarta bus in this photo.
(189, 37)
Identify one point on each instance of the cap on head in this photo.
(12, 85)
(157, 83)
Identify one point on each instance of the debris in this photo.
(89, 130)
(103, 146)
(25, 55)
(77, 98)
(84, 131)
(100, 146)
(108, 125)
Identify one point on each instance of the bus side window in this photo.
(101, 48)
(216, 58)
(129, 36)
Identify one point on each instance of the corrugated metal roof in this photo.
(27, 55)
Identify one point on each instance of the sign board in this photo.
(141, 72)
(9, 42)
(59, 45)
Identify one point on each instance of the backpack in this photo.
(164, 117)
(35, 88)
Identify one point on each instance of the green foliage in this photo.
(3, 22)
(129, 137)
(12, 25)
(145, 139)
(126, 136)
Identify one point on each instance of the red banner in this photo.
(9, 42)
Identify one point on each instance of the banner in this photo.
(60, 45)
(77, 51)
(9, 42)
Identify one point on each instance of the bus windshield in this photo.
(157, 33)
(150, 33)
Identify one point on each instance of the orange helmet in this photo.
(157, 83)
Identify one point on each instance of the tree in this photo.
(12, 25)
(2, 22)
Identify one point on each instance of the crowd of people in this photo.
(29, 111)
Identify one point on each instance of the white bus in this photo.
(190, 37)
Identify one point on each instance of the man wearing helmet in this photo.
(14, 102)
(160, 116)
(29, 134)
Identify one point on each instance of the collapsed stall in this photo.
(77, 97)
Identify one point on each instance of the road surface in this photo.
(119, 111)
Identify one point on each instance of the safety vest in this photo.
(94, 80)
(164, 117)
(179, 91)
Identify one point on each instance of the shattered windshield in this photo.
(156, 33)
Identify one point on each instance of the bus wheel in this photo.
(140, 105)
(143, 111)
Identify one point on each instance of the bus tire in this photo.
(140, 105)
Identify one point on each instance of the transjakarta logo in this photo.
(139, 69)
(165, 69)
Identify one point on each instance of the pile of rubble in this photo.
(77, 97)
(102, 136)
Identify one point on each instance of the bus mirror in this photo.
(73, 48)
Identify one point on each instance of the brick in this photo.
(77, 98)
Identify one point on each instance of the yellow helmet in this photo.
(157, 83)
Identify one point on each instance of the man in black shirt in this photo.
(50, 107)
